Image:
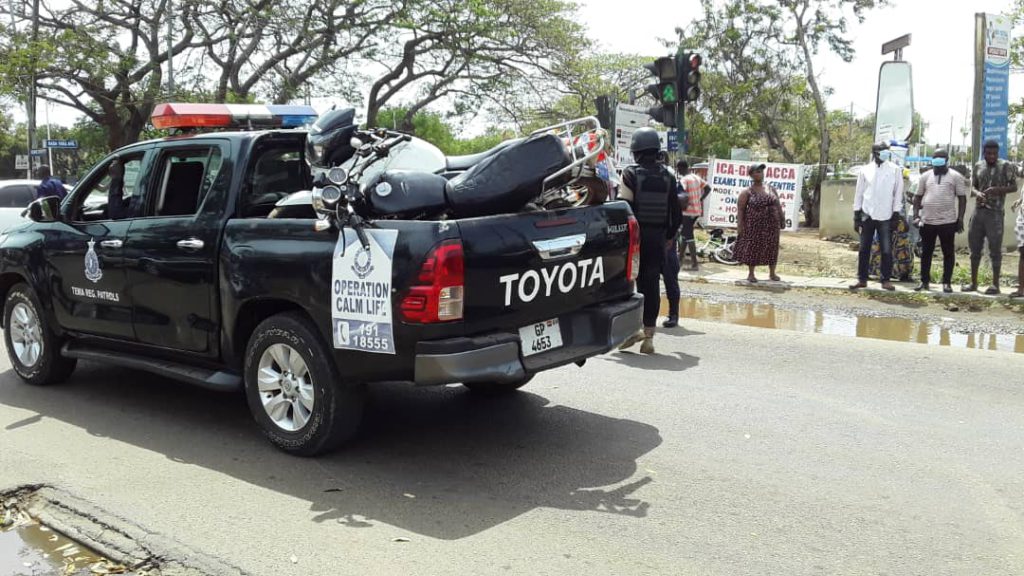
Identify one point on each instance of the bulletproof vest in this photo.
(650, 202)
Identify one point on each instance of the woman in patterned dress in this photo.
(1018, 231)
(760, 218)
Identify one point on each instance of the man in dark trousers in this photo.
(876, 208)
(993, 179)
(939, 207)
(650, 189)
(692, 192)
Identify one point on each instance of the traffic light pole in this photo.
(680, 111)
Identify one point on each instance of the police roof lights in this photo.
(186, 115)
(666, 91)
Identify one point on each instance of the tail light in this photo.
(437, 293)
(633, 255)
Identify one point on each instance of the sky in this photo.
(941, 51)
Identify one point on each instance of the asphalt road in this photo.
(734, 451)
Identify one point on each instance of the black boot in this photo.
(691, 246)
(673, 314)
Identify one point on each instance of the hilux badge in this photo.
(93, 272)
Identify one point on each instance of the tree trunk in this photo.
(813, 203)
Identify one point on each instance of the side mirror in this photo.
(46, 209)
(894, 117)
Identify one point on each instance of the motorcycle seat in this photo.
(460, 163)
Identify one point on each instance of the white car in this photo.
(15, 196)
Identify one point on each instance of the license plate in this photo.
(540, 337)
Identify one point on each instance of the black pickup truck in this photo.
(203, 280)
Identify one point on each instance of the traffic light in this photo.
(689, 76)
(666, 91)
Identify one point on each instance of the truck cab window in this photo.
(186, 177)
(92, 203)
(277, 173)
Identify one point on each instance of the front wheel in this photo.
(32, 347)
(492, 388)
(294, 390)
(724, 255)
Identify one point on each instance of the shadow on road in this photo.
(674, 362)
(439, 461)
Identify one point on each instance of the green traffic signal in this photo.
(668, 94)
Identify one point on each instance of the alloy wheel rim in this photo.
(285, 387)
(26, 335)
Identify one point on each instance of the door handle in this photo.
(111, 243)
(190, 244)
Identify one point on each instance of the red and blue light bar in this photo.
(186, 115)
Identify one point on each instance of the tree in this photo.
(467, 53)
(103, 59)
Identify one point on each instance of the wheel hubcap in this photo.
(285, 387)
(26, 335)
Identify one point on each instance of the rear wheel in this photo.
(294, 390)
(724, 255)
(492, 388)
(32, 347)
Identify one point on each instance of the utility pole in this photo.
(170, 49)
(30, 104)
(951, 132)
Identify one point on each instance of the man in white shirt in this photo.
(876, 207)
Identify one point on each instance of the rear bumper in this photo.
(497, 357)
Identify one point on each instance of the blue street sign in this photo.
(673, 140)
(61, 143)
(39, 152)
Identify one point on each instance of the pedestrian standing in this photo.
(760, 218)
(939, 206)
(1018, 207)
(651, 191)
(692, 191)
(50, 186)
(876, 209)
(993, 179)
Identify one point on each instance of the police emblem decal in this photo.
(363, 264)
(93, 272)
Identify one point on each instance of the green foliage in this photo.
(432, 128)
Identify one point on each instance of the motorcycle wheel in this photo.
(723, 255)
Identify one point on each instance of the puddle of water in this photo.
(897, 329)
(31, 549)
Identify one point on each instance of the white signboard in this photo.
(628, 118)
(21, 162)
(728, 178)
(361, 292)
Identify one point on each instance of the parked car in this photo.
(15, 196)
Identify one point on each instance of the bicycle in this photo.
(718, 247)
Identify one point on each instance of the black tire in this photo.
(337, 405)
(496, 388)
(50, 367)
(724, 255)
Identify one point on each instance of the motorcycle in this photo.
(384, 174)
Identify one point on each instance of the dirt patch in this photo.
(803, 253)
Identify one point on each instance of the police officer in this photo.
(651, 191)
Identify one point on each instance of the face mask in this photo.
(885, 155)
(938, 162)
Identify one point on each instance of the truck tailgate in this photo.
(531, 267)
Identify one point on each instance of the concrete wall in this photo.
(837, 213)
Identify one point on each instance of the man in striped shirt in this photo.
(939, 207)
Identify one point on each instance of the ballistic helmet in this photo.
(645, 140)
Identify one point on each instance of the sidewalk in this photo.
(737, 276)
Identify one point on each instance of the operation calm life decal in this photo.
(361, 292)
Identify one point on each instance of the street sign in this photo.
(896, 44)
(628, 118)
(21, 162)
(39, 152)
(673, 141)
(61, 143)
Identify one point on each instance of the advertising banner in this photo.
(628, 118)
(995, 82)
(728, 178)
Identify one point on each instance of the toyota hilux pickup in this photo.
(198, 274)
